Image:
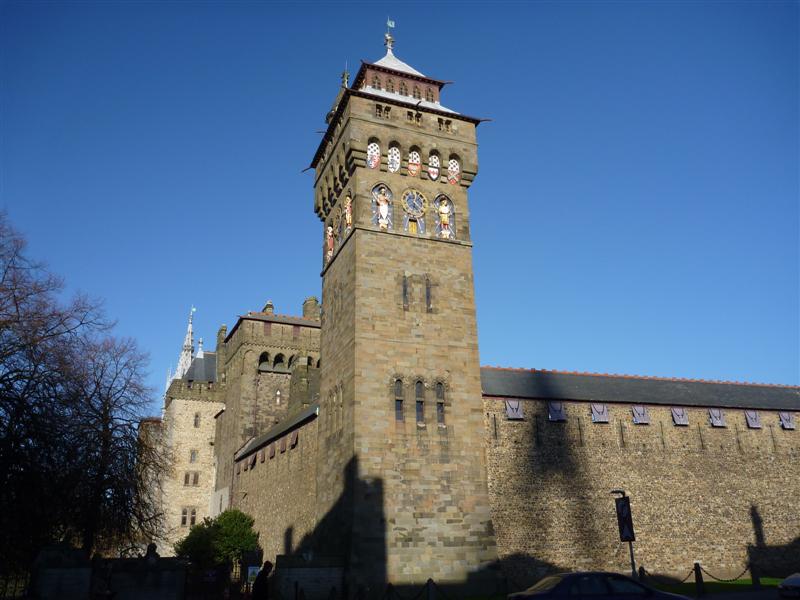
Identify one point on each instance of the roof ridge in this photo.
(644, 377)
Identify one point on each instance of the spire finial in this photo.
(388, 40)
(345, 76)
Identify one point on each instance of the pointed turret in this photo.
(185, 360)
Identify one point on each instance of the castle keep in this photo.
(371, 447)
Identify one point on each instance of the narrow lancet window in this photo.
(419, 393)
(398, 399)
(440, 403)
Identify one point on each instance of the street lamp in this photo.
(625, 522)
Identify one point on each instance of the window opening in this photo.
(419, 393)
(398, 399)
(405, 293)
(440, 403)
(193, 517)
(184, 517)
(197, 419)
(428, 297)
(193, 456)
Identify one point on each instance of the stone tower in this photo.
(402, 483)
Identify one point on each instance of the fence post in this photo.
(429, 586)
(755, 577)
(700, 589)
(642, 573)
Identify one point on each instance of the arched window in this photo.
(263, 361)
(440, 403)
(398, 399)
(417, 94)
(279, 362)
(184, 517)
(292, 359)
(278, 397)
(419, 395)
(376, 82)
(193, 517)
(197, 419)
(453, 170)
(390, 85)
(414, 162)
(393, 158)
(403, 89)
(373, 155)
(429, 95)
(433, 166)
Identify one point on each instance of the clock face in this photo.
(414, 203)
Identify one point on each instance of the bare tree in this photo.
(70, 401)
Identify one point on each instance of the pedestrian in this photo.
(261, 584)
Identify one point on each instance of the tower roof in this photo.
(390, 61)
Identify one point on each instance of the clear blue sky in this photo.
(636, 209)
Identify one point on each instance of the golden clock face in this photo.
(414, 203)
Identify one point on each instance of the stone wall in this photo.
(252, 402)
(279, 491)
(190, 449)
(698, 493)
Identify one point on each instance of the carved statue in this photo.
(329, 244)
(348, 213)
(444, 219)
(383, 208)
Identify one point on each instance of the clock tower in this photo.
(401, 481)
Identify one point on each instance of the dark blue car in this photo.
(592, 586)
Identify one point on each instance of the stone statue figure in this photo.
(382, 200)
(445, 211)
(329, 244)
(348, 213)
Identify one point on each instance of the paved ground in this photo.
(765, 594)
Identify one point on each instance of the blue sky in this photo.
(636, 209)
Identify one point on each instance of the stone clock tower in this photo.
(402, 483)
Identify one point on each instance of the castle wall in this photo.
(252, 402)
(181, 438)
(698, 493)
(280, 492)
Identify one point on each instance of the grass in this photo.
(715, 587)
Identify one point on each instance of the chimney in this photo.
(269, 308)
(311, 308)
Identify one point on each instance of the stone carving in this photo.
(329, 244)
(445, 218)
(453, 172)
(414, 162)
(382, 207)
(373, 155)
(394, 159)
(433, 167)
(348, 213)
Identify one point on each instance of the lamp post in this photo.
(625, 522)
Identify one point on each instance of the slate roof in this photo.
(390, 61)
(520, 383)
(276, 431)
(203, 368)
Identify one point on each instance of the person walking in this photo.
(261, 584)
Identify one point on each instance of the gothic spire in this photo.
(185, 360)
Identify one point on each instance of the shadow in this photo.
(544, 504)
(287, 540)
(771, 561)
(345, 552)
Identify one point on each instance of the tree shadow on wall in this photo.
(562, 507)
(771, 561)
(347, 548)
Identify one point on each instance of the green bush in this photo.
(219, 541)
